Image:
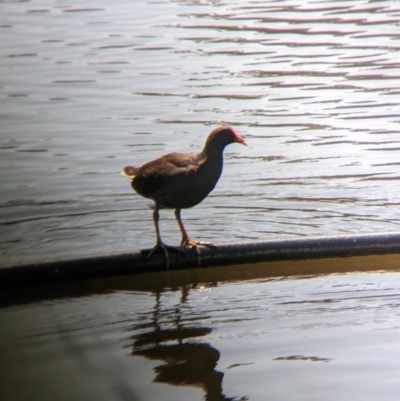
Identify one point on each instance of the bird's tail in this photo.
(129, 172)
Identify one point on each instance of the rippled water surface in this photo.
(89, 87)
(204, 335)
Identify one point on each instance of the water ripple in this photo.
(307, 84)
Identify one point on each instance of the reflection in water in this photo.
(186, 363)
(302, 358)
(86, 90)
(328, 335)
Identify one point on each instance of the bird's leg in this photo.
(159, 243)
(185, 238)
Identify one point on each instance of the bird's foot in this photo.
(166, 249)
(195, 246)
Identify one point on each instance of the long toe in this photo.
(166, 249)
(208, 244)
(193, 243)
(195, 246)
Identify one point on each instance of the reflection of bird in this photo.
(180, 180)
(186, 360)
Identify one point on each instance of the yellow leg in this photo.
(188, 242)
(159, 243)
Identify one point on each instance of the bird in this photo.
(181, 181)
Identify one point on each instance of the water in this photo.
(210, 334)
(87, 88)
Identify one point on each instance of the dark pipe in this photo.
(224, 254)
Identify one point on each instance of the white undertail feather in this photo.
(125, 173)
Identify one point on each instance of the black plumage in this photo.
(180, 180)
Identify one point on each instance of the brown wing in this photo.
(171, 164)
(161, 179)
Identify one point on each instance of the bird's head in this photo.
(222, 136)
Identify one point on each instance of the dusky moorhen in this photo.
(181, 180)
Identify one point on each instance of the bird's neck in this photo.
(214, 155)
(213, 162)
(214, 150)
